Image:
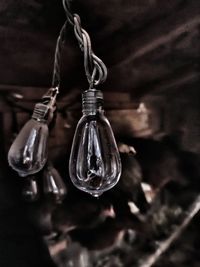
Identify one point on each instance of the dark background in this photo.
(152, 51)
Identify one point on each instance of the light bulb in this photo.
(30, 190)
(28, 153)
(53, 184)
(94, 164)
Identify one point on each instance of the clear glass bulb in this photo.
(30, 190)
(28, 153)
(94, 164)
(53, 184)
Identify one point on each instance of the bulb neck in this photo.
(44, 110)
(40, 112)
(92, 102)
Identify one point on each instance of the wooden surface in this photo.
(151, 49)
(145, 43)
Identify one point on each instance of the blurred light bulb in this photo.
(53, 184)
(28, 153)
(30, 190)
(95, 164)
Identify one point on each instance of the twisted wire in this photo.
(57, 57)
(95, 69)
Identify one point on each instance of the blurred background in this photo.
(152, 99)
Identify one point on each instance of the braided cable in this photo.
(95, 69)
(57, 57)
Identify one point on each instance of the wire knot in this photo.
(95, 69)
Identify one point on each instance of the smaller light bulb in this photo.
(28, 153)
(53, 184)
(94, 164)
(30, 190)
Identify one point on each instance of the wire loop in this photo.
(95, 69)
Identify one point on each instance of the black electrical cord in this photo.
(57, 57)
(95, 69)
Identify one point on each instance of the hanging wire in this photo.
(57, 57)
(95, 69)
